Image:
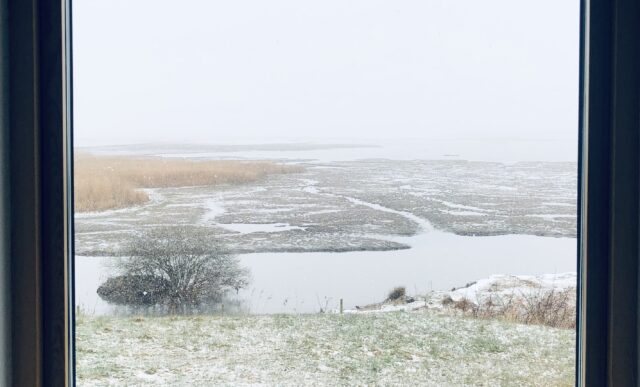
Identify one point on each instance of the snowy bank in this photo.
(503, 286)
(499, 293)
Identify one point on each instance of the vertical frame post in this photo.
(610, 188)
(41, 232)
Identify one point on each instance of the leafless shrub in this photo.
(554, 308)
(324, 304)
(466, 306)
(185, 262)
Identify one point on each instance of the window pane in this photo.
(325, 192)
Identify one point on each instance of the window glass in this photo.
(325, 192)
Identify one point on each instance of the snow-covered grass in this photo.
(399, 348)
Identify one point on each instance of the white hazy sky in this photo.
(201, 70)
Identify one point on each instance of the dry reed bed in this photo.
(554, 308)
(112, 182)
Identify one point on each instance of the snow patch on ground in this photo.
(310, 186)
(551, 216)
(248, 228)
(213, 209)
(460, 206)
(514, 285)
(426, 226)
(465, 213)
(494, 287)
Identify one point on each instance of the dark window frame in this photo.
(40, 192)
(37, 57)
(609, 193)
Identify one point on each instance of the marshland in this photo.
(313, 232)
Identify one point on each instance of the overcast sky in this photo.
(198, 71)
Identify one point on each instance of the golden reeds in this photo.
(111, 182)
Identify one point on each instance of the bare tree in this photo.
(186, 262)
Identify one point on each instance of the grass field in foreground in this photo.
(399, 348)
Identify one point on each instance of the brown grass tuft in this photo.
(554, 308)
(111, 182)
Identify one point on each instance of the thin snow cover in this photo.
(309, 181)
(506, 188)
(320, 212)
(465, 213)
(514, 285)
(248, 228)
(418, 303)
(320, 349)
(426, 226)
(551, 216)
(559, 204)
(461, 206)
(212, 210)
(495, 286)
(310, 189)
(275, 210)
(310, 186)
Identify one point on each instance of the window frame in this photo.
(41, 195)
(608, 216)
(40, 192)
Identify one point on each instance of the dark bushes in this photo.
(174, 266)
(134, 290)
(397, 293)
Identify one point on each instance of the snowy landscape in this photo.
(325, 193)
(424, 224)
(476, 245)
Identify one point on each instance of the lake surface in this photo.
(306, 282)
